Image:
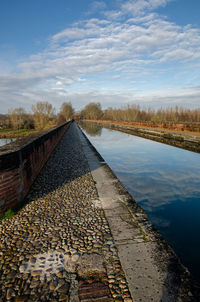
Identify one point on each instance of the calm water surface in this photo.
(165, 181)
(5, 141)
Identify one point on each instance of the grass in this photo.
(13, 133)
(14, 210)
(5, 130)
(8, 214)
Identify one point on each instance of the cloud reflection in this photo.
(165, 181)
(151, 171)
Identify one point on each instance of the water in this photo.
(165, 181)
(5, 141)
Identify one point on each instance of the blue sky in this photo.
(144, 52)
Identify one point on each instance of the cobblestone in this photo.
(43, 245)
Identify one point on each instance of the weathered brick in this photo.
(96, 291)
(33, 156)
(102, 299)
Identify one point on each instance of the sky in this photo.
(144, 52)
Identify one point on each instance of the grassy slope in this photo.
(13, 133)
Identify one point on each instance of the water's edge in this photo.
(185, 141)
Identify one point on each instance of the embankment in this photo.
(183, 140)
(21, 162)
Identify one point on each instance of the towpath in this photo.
(77, 238)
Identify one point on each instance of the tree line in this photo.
(43, 115)
(133, 113)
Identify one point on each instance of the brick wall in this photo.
(20, 163)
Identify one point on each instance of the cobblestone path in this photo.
(59, 246)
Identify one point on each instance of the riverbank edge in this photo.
(17, 134)
(178, 276)
(187, 141)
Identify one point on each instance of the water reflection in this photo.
(91, 129)
(165, 181)
(5, 141)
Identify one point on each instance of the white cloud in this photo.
(136, 7)
(96, 6)
(133, 50)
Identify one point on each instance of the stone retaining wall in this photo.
(21, 162)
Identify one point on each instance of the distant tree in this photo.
(60, 119)
(92, 111)
(77, 116)
(67, 111)
(133, 113)
(43, 114)
(4, 122)
(16, 117)
(28, 122)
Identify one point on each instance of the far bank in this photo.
(189, 141)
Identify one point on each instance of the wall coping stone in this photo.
(10, 154)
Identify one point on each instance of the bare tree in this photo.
(133, 113)
(67, 110)
(92, 111)
(17, 117)
(60, 119)
(43, 113)
(4, 121)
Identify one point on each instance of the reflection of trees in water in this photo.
(91, 129)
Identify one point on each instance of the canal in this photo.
(164, 181)
(5, 141)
